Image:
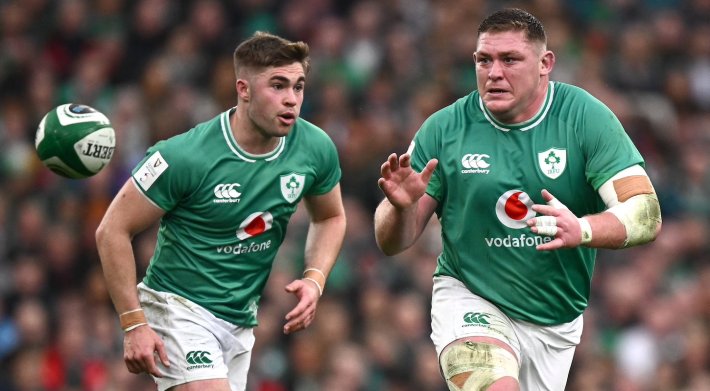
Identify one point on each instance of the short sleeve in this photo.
(160, 176)
(327, 162)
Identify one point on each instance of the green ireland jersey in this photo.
(490, 174)
(227, 210)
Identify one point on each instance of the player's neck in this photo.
(530, 110)
(248, 136)
(537, 103)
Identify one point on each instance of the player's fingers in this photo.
(162, 354)
(386, 170)
(292, 286)
(546, 225)
(552, 245)
(297, 323)
(298, 311)
(555, 203)
(151, 366)
(405, 160)
(429, 170)
(393, 161)
(546, 210)
(381, 183)
(546, 195)
(132, 366)
(304, 304)
(551, 200)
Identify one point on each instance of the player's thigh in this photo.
(477, 345)
(238, 371)
(480, 363)
(203, 385)
(192, 341)
(547, 353)
(457, 313)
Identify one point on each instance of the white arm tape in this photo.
(640, 215)
(607, 192)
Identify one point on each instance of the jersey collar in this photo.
(242, 154)
(525, 125)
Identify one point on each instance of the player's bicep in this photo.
(325, 206)
(131, 211)
(625, 184)
(629, 195)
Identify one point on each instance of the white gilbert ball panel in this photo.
(75, 141)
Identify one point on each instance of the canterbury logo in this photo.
(476, 317)
(198, 357)
(475, 160)
(227, 191)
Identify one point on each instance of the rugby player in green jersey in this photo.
(528, 177)
(223, 193)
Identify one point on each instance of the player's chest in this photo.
(495, 160)
(241, 189)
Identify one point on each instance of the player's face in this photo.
(511, 74)
(275, 99)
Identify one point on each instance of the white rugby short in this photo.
(544, 352)
(199, 345)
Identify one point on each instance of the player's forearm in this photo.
(634, 222)
(119, 268)
(395, 229)
(323, 243)
(607, 231)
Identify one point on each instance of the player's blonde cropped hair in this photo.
(265, 50)
(514, 19)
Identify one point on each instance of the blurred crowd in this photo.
(157, 67)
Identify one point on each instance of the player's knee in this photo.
(479, 366)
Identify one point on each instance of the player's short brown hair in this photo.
(514, 19)
(263, 50)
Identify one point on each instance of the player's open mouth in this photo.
(287, 118)
(496, 91)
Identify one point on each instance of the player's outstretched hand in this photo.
(556, 220)
(302, 315)
(401, 184)
(139, 348)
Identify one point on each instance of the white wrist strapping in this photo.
(586, 230)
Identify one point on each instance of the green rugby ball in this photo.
(75, 141)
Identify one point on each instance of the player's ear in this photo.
(243, 90)
(547, 62)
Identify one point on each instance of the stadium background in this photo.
(156, 67)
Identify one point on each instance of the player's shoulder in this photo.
(572, 94)
(191, 145)
(309, 134)
(573, 100)
(453, 116)
(462, 105)
(303, 125)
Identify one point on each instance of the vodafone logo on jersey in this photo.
(255, 224)
(514, 208)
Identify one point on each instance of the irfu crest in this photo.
(552, 162)
(292, 186)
